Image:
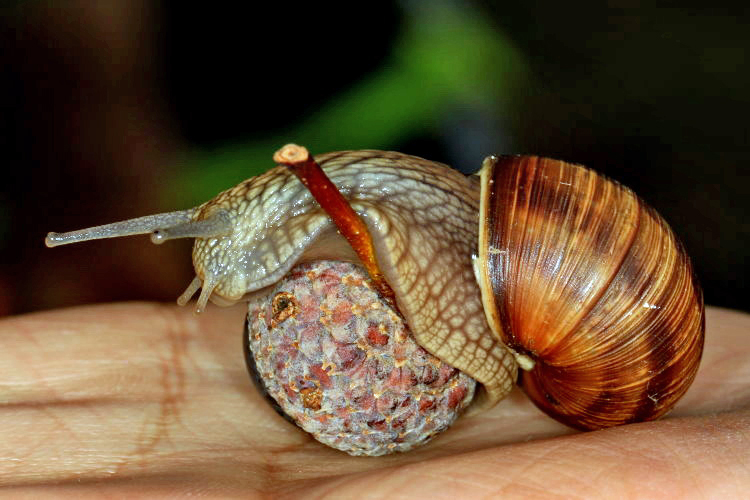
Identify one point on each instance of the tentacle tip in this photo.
(291, 153)
(53, 240)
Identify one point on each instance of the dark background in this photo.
(118, 109)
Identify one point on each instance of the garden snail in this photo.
(532, 263)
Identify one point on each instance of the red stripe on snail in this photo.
(351, 226)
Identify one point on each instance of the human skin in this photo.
(142, 399)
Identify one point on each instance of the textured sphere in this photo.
(339, 363)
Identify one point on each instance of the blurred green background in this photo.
(121, 108)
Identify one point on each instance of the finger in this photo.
(693, 457)
(722, 384)
(137, 389)
(723, 379)
(128, 390)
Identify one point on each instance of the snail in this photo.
(532, 269)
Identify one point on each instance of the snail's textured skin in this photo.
(345, 368)
(422, 216)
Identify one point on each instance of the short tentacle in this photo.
(189, 292)
(207, 289)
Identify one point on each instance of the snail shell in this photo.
(590, 283)
(582, 285)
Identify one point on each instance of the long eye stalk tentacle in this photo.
(140, 225)
(163, 227)
(218, 224)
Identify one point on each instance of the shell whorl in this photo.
(584, 278)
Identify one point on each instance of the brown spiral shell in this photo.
(584, 278)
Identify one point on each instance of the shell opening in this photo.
(524, 362)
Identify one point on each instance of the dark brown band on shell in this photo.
(592, 284)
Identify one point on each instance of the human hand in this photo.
(150, 399)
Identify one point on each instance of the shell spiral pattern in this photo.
(584, 278)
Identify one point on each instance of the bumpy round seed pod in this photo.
(336, 360)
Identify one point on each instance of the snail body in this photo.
(534, 263)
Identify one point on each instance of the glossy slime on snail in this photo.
(533, 263)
